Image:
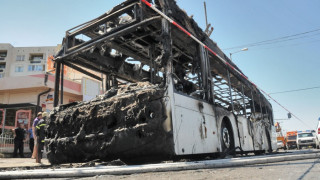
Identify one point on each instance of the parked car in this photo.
(306, 139)
(280, 145)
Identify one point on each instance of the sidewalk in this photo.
(21, 163)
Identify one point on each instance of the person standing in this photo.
(40, 132)
(19, 138)
(31, 140)
(35, 122)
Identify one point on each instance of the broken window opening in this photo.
(81, 38)
(117, 19)
(187, 76)
(239, 101)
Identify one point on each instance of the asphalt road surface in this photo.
(302, 169)
(307, 167)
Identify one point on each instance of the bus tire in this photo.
(227, 138)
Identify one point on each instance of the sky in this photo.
(282, 65)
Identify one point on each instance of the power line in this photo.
(284, 108)
(288, 45)
(295, 90)
(279, 39)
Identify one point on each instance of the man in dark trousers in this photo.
(19, 137)
(40, 132)
(31, 140)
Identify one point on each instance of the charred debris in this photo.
(135, 48)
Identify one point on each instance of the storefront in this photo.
(12, 115)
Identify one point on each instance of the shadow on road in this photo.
(309, 169)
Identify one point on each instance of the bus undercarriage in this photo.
(166, 95)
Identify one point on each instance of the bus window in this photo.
(187, 80)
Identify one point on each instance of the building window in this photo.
(19, 69)
(20, 58)
(36, 68)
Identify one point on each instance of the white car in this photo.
(280, 145)
(306, 139)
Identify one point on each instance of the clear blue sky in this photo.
(275, 67)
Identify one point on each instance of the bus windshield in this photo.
(305, 135)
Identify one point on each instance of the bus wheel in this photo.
(227, 140)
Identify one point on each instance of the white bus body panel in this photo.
(246, 136)
(194, 126)
(273, 134)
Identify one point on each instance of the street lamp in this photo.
(244, 49)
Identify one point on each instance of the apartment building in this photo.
(27, 83)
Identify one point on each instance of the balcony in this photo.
(37, 61)
(2, 69)
(36, 58)
(3, 55)
(3, 66)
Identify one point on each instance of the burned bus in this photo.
(170, 91)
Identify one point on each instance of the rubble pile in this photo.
(122, 123)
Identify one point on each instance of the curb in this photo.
(124, 170)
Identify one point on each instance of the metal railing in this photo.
(7, 144)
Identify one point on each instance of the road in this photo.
(302, 169)
(303, 164)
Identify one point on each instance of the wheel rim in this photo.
(226, 137)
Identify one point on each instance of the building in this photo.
(27, 83)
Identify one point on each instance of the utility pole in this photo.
(207, 31)
(205, 12)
